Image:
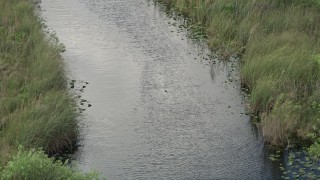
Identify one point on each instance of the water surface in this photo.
(161, 109)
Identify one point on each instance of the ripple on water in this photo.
(160, 109)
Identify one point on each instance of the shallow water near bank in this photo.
(160, 108)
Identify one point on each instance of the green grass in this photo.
(35, 107)
(279, 44)
(34, 164)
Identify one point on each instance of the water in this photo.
(160, 110)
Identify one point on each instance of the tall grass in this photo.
(280, 47)
(35, 108)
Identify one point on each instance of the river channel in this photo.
(161, 107)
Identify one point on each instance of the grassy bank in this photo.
(35, 108)
(279, 44)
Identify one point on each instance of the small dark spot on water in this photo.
(81, 110)
(165, 91)
(229, 106)
(89, 105)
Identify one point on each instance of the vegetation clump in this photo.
(279, 44)
(34, 164)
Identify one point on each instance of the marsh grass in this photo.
(280, 47)
(35, 107)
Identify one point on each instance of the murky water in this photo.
(160, 109)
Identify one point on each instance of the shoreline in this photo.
(276, 54)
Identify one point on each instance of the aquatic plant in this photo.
(296, 164)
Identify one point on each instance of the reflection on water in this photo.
(161, 109)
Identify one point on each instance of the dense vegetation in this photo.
(280, 48)
(34, 164)
(35, 107)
